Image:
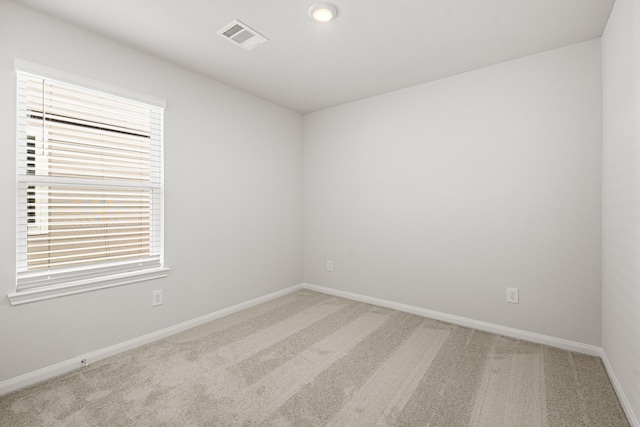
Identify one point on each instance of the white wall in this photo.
(621, 198)
(442, 195)
(233, 198)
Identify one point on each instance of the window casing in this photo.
(89, 189)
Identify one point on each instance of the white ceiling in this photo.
(372, 47)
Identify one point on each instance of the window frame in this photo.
(97, 277)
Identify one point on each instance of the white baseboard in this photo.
(30, 378)
(562, 343)
(626, 405)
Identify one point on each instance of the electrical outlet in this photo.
(156, 298)
(329, 265)
(512, 295)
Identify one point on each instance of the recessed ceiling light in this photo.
(322, 12)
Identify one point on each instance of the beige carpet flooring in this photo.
(310, 359)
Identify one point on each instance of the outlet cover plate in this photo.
(512, 295)
(156, 298)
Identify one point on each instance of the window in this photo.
(90, 190)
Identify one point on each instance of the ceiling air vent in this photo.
(242, 35)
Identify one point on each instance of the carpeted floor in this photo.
(309, 359)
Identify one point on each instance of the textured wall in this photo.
(621, 197)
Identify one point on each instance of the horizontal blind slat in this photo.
(117, 231)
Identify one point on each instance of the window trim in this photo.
(75, 79)
(86, 285)
(79, 285)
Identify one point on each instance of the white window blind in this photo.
(90, 187)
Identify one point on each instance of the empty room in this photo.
(286, 213)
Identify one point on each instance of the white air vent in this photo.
(242, 35)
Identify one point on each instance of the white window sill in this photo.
(87, 285)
